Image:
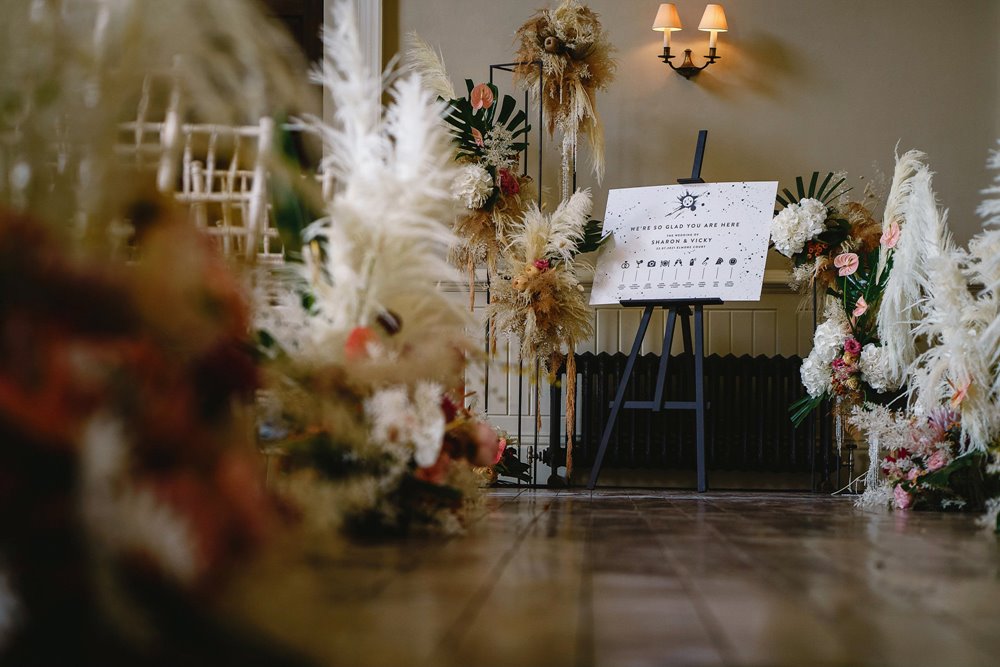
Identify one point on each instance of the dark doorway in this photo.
(303, 19)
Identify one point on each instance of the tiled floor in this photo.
(625, 578)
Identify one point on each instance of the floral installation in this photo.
(925, 465)
(542, 304)
(824, 234)
(489, 135)
(130, 490)
(366, 354)
(566, 52)
(836, 246)
(942, 336)
(117, 389)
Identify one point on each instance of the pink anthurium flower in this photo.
(477, 136)
(861, 307)
(961, 391)
(846, 263)
(481, 97)
(890, 237)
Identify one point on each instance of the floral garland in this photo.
(569, 51)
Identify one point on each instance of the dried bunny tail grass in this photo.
(421, 58)
(924, 235)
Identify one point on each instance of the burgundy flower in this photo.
(542, 264)
(509, 184)
(852, 347)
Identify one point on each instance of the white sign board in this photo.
(694, 241)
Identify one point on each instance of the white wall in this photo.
(803, 85)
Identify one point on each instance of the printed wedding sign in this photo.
(695, 241)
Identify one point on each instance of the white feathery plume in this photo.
(388, 228)
(567, 225)
(907, 166)
(963, 335)
(923, 236)
(421, 58)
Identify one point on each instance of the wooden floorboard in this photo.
(635, 578)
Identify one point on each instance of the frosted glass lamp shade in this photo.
(667, 19)
(713, 20)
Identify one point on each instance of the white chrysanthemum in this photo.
(473, 186)
(416, 424)
(797, 223)
(874, 369)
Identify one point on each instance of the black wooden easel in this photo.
(674, 308)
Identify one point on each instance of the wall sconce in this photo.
(713, 21)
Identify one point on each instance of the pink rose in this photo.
(852, 347)
(481, 97)
(890, 237)
(846, 262)
(902, 498)
(477, 136)
(861, 307)
(938, 460)
(542, 264)
(913, 474)
(508, 182)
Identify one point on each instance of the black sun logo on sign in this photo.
(686, 201)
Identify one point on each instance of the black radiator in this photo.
(746, 426)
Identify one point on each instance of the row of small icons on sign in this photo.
(678, 262)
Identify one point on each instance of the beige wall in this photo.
(803, 85)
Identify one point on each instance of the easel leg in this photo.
(619, 396)
(661, 373)
(699, 389)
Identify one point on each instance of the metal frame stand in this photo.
(674, 309)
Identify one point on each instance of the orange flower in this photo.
(356, 346)
(481, 97)
(959, 394)
(846, 263)
(477, 136)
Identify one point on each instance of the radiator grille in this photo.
(746, 424)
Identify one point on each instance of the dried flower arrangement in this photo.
(576, 60)
(489, 138)
(366, 369)
(541, 302)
